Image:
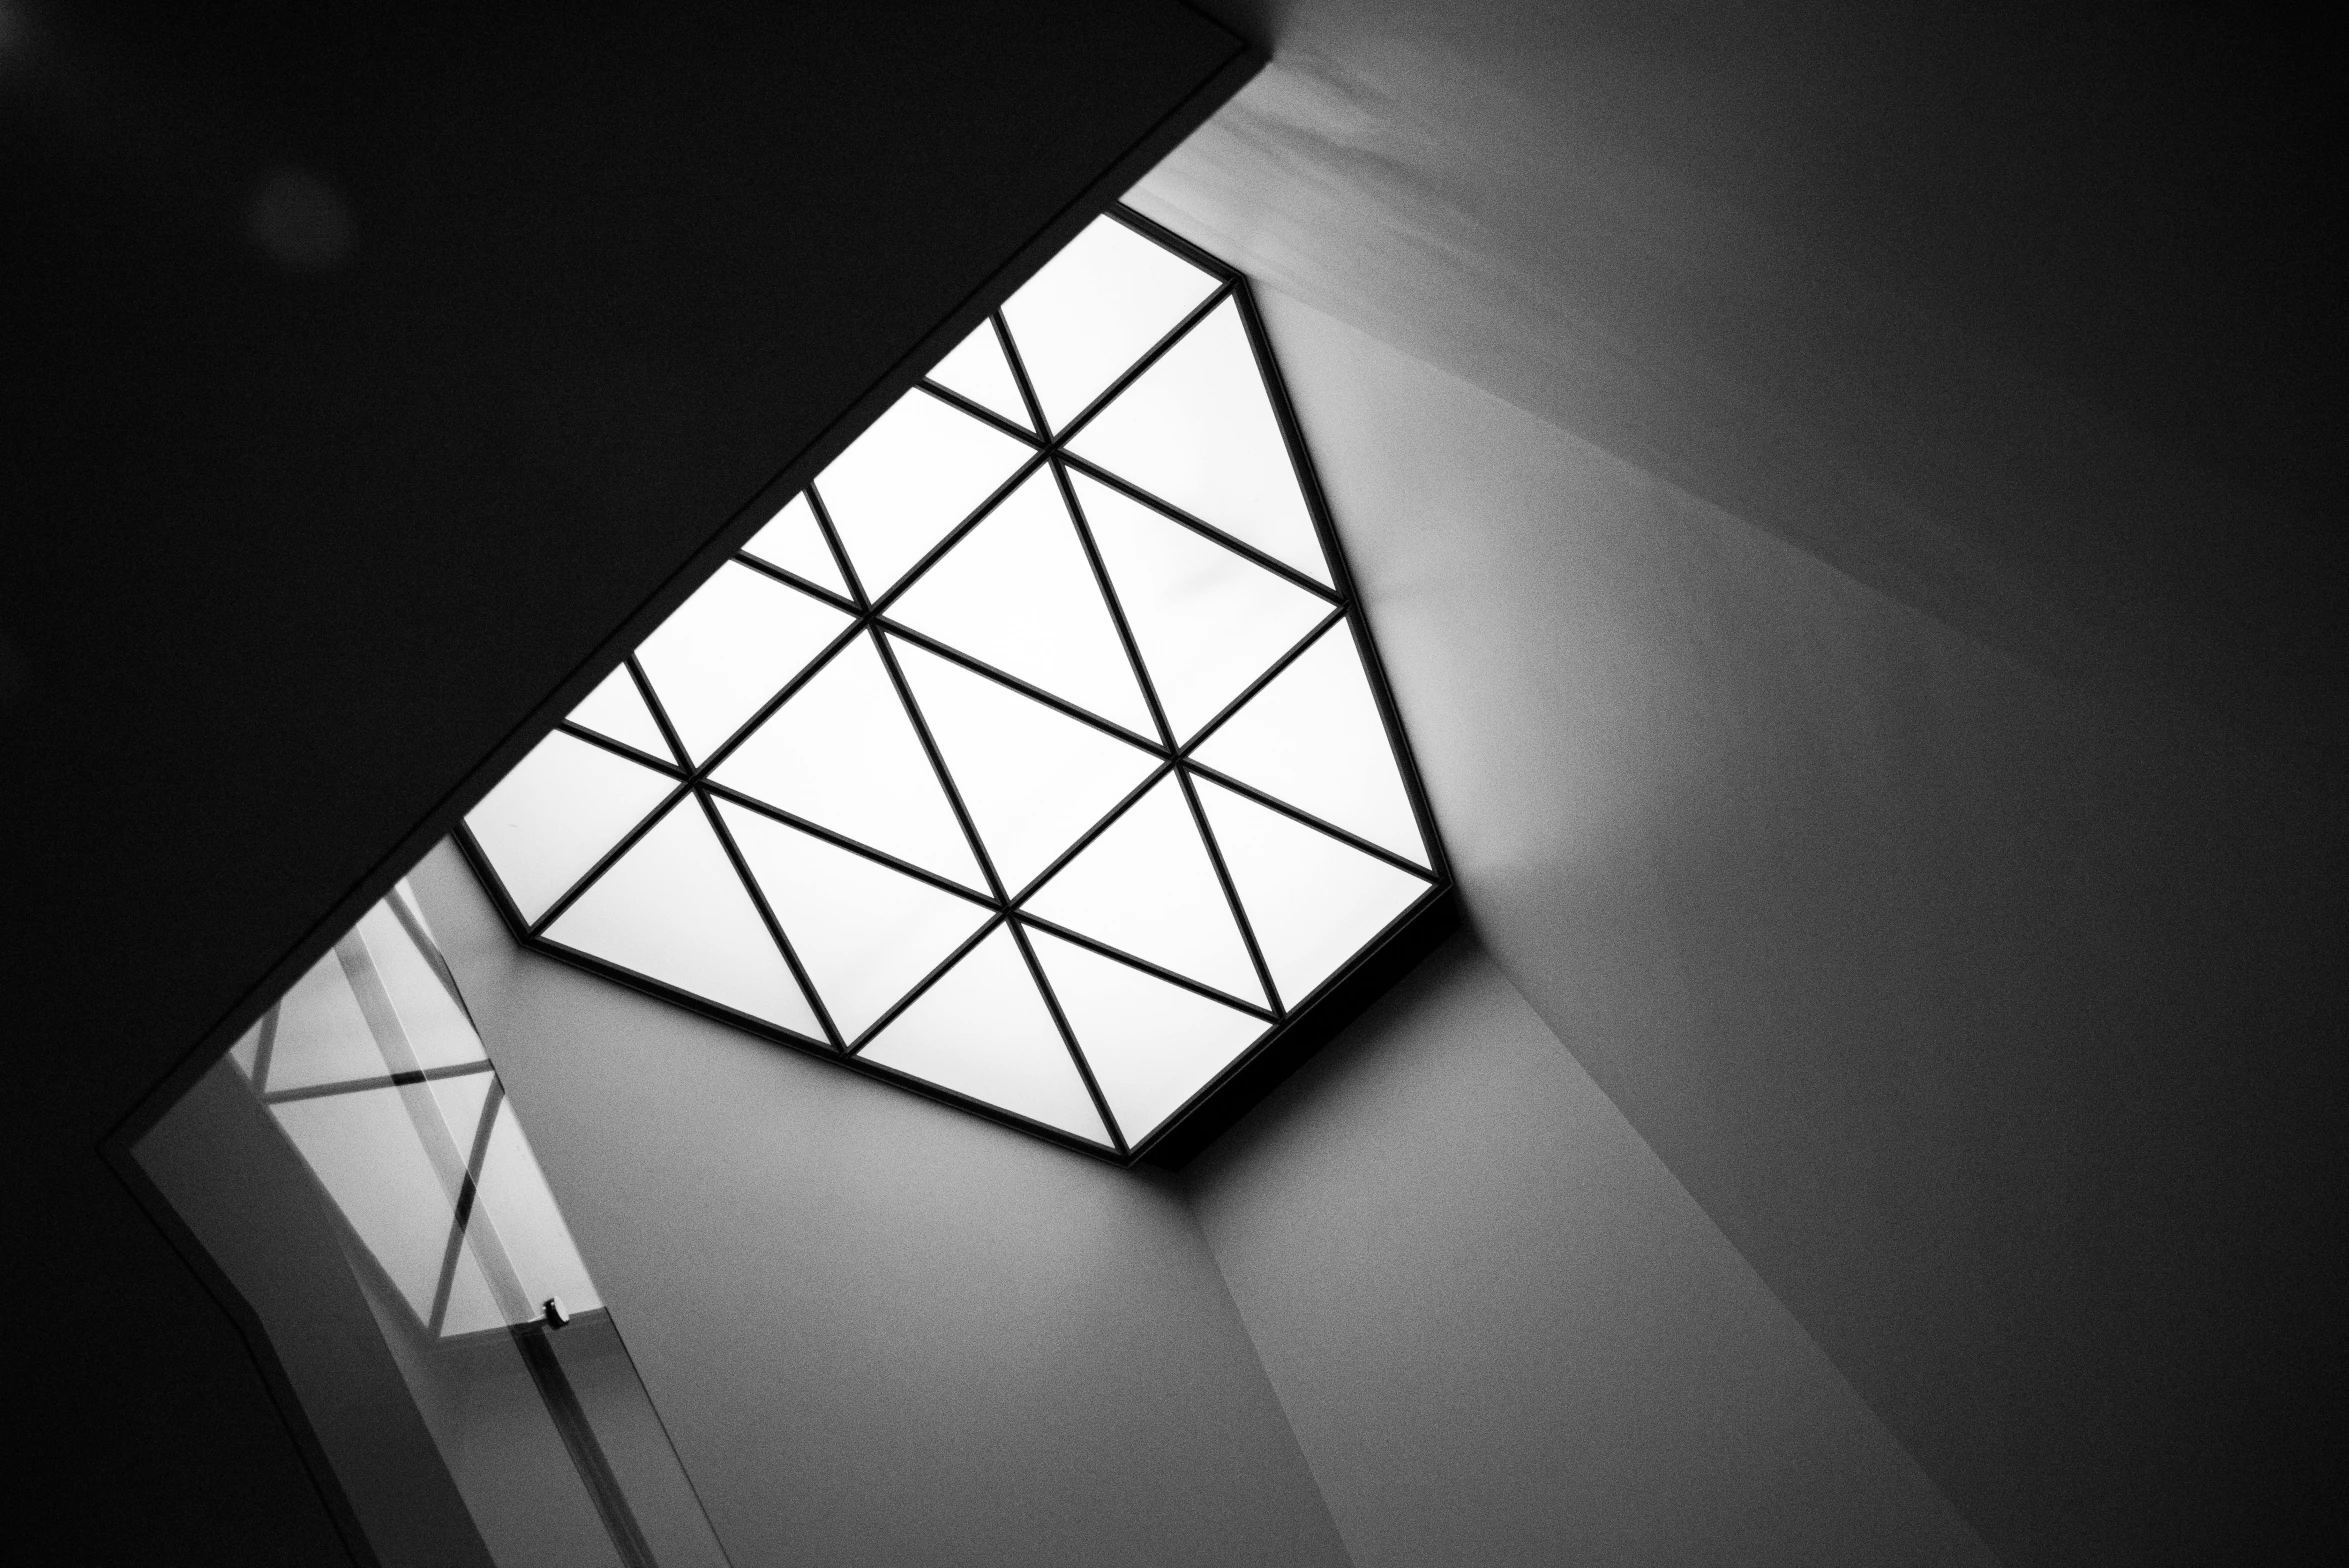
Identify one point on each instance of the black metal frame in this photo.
(1295, 1028)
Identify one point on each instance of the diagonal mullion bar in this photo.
(955, 535)
(1296, 652)
(1140, 367)
(1307, 818)
(945, 775)
(838, 840)
(889, 1015)
(789, 579)
(1231, 889)
(978, 411)
(321, 1091)
(1025, 688)
(838, 547)
(445, 1285)
(766, 710)
(758, 899)
(1068, 1038)
(1019, 373)
(1172, 977)
(1175, 514)
(1084, 839)
(628, 841)
(621, 749)
(659, 711)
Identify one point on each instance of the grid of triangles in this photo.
(1032, 754)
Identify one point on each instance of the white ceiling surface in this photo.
(1946, 988)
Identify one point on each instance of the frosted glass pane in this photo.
(922, 468)
(1147, 887)
(322, 1037)
(560, 811)
(978, 370)
(865, 934)
(738, 641)
(526, 1222)
(983, 1030)
(1032, 778)
(365, 1152)
(437, 1030)
(1208, 621)
(1313, 737)
(673, 910)
(842, 753)
(1197, 429)
(616, 711)
(1018, 593)
(1096, 308)
(247, 1050)
(793, 541)
(1314, 902)
(1151, 1045)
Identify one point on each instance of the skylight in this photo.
(1033, 755)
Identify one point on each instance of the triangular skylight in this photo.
(1046, 773)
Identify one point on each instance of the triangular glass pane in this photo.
(922, 468)
(1313, 901)
(322, 1037)
(1314, 738)
(792, 541)
(560, 811)
(1151, 1045)
(616, 711)
(527, 1223)
(983, 1030)
(673, 910)
(865, 934)
(1017, 592)
(843, 754)
(1208, 620)
(738, 641)
(978, 370)
(1146, 887)
(364, 1150)
(1096, 308)
(1033, 779)
(1197, 429)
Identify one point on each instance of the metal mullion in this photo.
(830, 596)
(628, 841)
(1295, 652)
(1175, 514)
(839, 840)
(619, 748)
(766, 710)
(321, 1091)
(1019, 373)
(1117, 609)
(955, 535)
(839, 549)
(1231, 890)
(265, 1049)
(413, 923)
(668, 990)
(889, 1015)
(1029, 689)
(659, 712)
(1160, 971)
(1167, 239)
(758, 899)
(1134, 372)
(1068, 1040)
(913, 711)
(1085, 839)
(1274, 802)
(980, 411)
(479, 1152)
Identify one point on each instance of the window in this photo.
(1035, 755)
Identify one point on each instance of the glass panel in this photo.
(1314, 738)
(365, 1151)
(616, 711)
(1146, 886)
(1018, 593)
(983, 1030)
(978, 370)
(322, 1036)
(1198, 430)
(865, 934)
(1032, 778)
(738, 641)
(436, 1031)
(246, 1052)
(922, 468)
(793, 541)
(1313, 900)
(560, 811)
(673, 910)
(843, 754)
(1096, 308)
(1151, 1045)
(513, 1196)
(1208, 621)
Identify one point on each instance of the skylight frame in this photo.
(1296, 1025)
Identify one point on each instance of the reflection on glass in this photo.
(1151, 1045)
(1208, 621)
(728, 649)
(1018, 593)
(843, 754)
(903, 485)
(977, 370)
(1313, 737)
(672, 909)
(1181, 921)
(616, 711)
(791, 540)
(1032, 778)
(560, 811)
(1096, 308)
(1312, 900)
(1197, 430)
(983, 1030)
